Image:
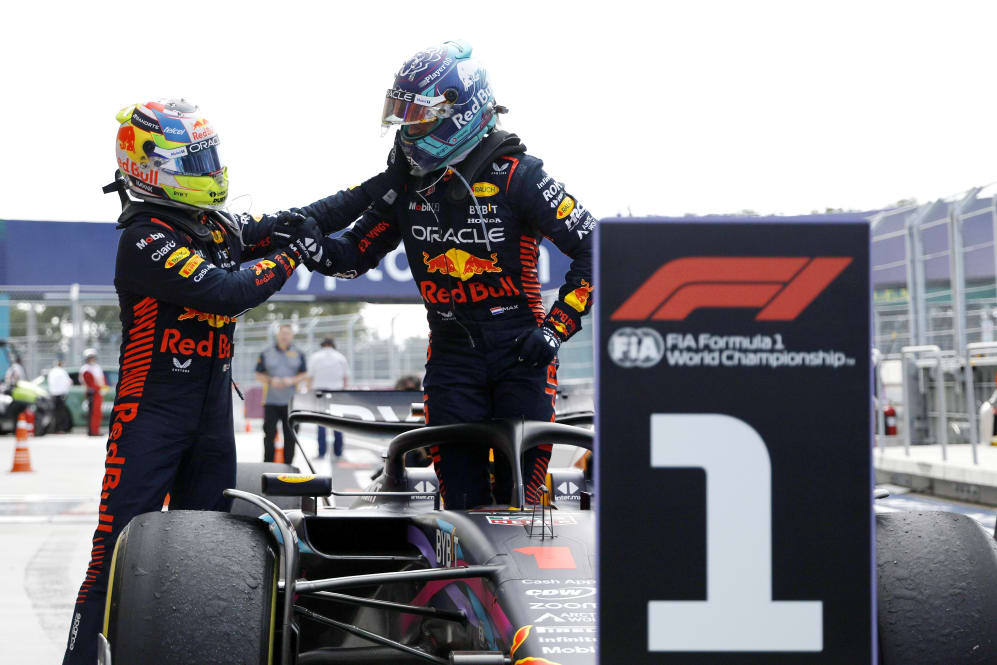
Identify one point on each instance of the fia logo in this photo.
(636, 347)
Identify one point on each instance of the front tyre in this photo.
(191, 586)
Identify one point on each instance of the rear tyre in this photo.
(937, 587)
(191, 586)
(248, 478)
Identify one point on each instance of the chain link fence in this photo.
(935, 293)
(43, 325)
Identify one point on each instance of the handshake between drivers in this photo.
(300, 234)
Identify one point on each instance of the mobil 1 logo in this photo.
(734, 382)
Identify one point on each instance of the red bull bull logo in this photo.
(126, 138)
(201, 130)
(213, 320)
(265, 264)
(519, 638)
(458, 263)
(579, 298)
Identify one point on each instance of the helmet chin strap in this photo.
(118, 185)
(477, 209)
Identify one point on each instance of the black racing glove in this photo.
(284, 223)
(537, 346)
(384, 188)
(303, 236)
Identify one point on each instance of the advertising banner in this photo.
(63, 253)
(734, 467)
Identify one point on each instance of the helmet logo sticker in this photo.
(435, 74)
(126, 138)
(420, 62)
(468, 73)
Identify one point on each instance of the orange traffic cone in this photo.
(245, 417)
(25, 428)
(278, 449)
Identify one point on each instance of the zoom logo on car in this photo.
(717, 343)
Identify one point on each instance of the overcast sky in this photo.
(656, 108)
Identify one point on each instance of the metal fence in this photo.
(935, 302)
(933, 272)
(48, 324)
(44, 324)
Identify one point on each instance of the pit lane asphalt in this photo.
(47, 518)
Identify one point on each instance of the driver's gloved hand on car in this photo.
(304, 238)
(537, 346)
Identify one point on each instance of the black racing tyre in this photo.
(190, 586)
(248, 479)
(937, 589)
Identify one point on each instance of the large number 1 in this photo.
(738, 613)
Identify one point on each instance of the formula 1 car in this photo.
(392, 579)
(395, 580)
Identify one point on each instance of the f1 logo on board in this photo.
(782, 287)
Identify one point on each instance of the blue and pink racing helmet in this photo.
(443, 104)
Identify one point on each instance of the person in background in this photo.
(328, 369)
(92, 376)
(13, 374)
(408, 382)
(58, 386)
(280, 368)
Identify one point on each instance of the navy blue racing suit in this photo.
(171, 428)
(474, 261)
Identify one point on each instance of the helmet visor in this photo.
(408, 108)
(199, 158)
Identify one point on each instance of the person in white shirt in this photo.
(58, 386)
(328, 369)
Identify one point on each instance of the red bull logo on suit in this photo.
(458, 263)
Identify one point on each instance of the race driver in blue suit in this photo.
(471, 210)
(180, 288)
